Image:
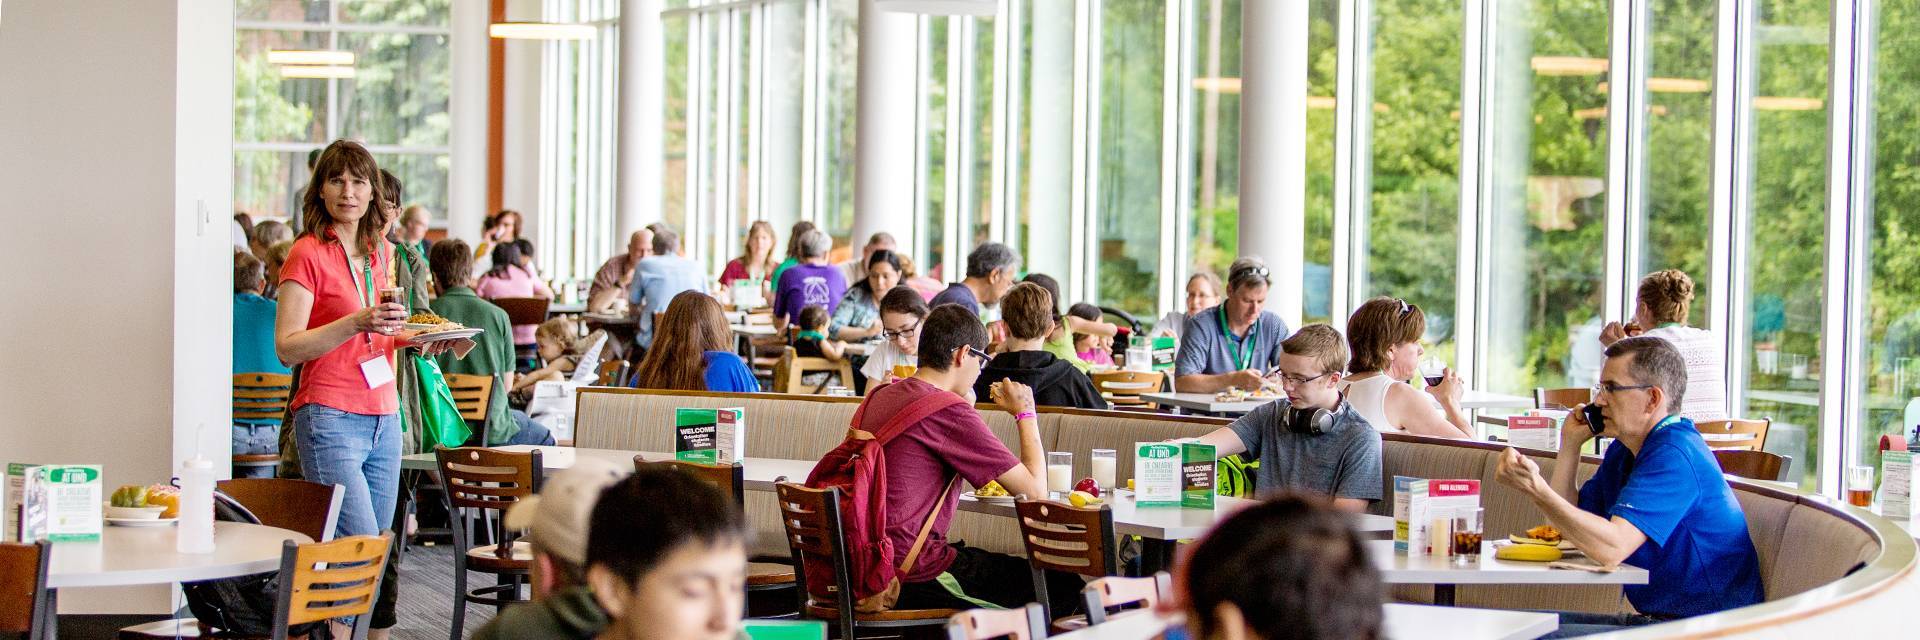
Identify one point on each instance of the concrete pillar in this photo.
(883, 153)
(637, 192)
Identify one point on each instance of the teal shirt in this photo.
(253, 318)
(492, 357)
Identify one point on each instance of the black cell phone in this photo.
(1596, 421)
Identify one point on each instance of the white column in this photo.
(883, 179)
(1273, 146)
(521, 125)
(468, 110)
(637, 194)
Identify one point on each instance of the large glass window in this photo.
(842, 50)
(1680, 146)
(1132, 78)
(676, 168)
(391, 94)
(1043, 148)
(1893, 302)
(1323, 55)
(934, 105)
(1215, 219)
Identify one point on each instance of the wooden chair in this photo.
(310, 508)
(471, 393)
(477, 482)
(613, 373)
(260, 396)
(1128, 398)
(24, 606)
(1062, 537)
(730, 479)
(1735, 433)
(327, 580)
(523, 311)
(1565, 398)
(1756, 465)
(812, 521)
(1107, 593)
(788, 372)
(1026, 623)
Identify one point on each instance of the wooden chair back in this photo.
(1756, 465)
(1025, 623)
(1735, 433)
(613, 373)
(326, 580)
(23, 583)
(471, 393)
(1108, 593)
(310, 508)
(1132, 379)
(811, 519)
(729, 478)
(1564, 398)
(261, 396)
(1062, 537)
(791, 368)
(475, 481)
(523, 311)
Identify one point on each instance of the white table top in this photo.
(1205, 402)
(753, 329)
(145, 555)
(571, 307)
(1159, 523)
(1476, 399)
(1401, 621)
(1397, 568)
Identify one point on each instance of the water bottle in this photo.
(196, 506)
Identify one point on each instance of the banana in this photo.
(1528, 553)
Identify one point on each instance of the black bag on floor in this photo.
(241, 606)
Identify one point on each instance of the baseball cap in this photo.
(557, 518)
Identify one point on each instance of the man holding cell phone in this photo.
(1658, 500)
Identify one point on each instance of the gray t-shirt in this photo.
(1344, 462)
(1205, 349)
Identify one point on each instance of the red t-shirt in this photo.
(334, 379)
(919, 463)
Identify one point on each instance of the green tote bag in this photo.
(444, 426)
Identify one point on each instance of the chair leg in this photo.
(459, 593)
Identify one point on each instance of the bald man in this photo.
(611, 281)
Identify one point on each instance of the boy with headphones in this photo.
(1311, 441)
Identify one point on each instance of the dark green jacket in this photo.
(568, 614)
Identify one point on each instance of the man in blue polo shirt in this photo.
(1235, 344)
(1657, 502)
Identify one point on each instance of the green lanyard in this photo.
(1242, 356)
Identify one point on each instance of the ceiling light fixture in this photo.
(541, 31)
(1217, 85)
(316, 71)
(1787, 103)
(1568, 66)
(309, 57)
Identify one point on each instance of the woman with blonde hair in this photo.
(691, 350)
(1664, 300)
(1384, 337)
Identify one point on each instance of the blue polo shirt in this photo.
(1698, 554)
(1206, 349)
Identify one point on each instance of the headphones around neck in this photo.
(1313, 422)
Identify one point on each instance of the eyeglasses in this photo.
(903, 333)
(977, 353)
(1295, 381)
(1608, 387)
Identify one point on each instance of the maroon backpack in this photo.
(857, 467)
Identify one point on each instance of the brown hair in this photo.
(903, 299)
(693, 325)
(451, 262)
(345, 156)
(793, 238)
(1320, 341)
(494, 221)
(813, 317)
(1667, 294)
(746, 249)
(248, 274)
(1379, 325)
(1028, 311)
(1246, 272)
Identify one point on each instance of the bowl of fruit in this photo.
(134, 503)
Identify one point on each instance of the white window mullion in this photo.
(1176, 102)
(1732, 188)
(958, 238)
(1086, 143)
(1353, 158)
(1626, 153)
(1849, 237)
(1005, 125)
(1477, 88)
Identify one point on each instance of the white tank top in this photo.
(1368, 397)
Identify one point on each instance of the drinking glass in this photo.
(1433, 371)
(1467, 535)
(1060, 472)
(1860, 485)
(1104, 462)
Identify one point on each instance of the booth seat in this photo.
(1818, 558)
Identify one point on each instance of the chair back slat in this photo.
(326, 580)
(487, 479)
(1131, 379)
(729, 478)
(1563, 398)
(1757, 465)
(1735, 433)
(1062, 537)
(309, 508)
(811, 529)
(261, 396)
(791, 369)
(23, 582)
(471, 394)
(523, 311)
(1108, 593)
(1025, 623)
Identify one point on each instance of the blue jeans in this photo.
(1574, 624)
(530, 433)
(359, 452)
(255, 439)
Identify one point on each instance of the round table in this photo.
(145, 555)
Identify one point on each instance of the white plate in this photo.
(440, 336)
(1128, 386)
(141, 522)
(419, 326)
(989, 499)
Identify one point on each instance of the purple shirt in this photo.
(808, 284)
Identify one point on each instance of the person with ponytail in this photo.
(1664, 300)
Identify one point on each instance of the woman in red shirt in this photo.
(331, 322)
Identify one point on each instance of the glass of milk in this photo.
(1103, 461)
(1060, 472)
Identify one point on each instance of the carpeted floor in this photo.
(426, 595)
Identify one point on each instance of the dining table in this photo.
(1398, 622)
(141, 555)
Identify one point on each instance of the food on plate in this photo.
(1088, 485)
(1082, 498)
(161, 495)
(1528, 552)
(992, 490)
(1236, 394)
(1545, 533)
(425, 318)
(130, 496)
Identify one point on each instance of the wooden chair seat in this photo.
(767, 574)
(487, 558)
(255, 459)
(1070, 623)
(819, 611)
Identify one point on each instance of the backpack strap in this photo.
(918, 410)
(920, 541)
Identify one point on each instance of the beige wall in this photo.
(115, 333)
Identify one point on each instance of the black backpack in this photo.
(243, 605)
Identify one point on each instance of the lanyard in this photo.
(1242, 355)
(363, 293)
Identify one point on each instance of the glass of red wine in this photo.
(1434, 371)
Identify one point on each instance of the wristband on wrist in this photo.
(1024, 415)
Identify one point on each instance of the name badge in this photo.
(377, 371)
